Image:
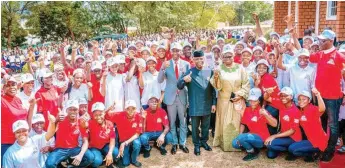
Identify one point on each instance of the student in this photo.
(256, 119)
(289, 117)
(311, 124)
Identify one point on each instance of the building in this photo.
(319, 14)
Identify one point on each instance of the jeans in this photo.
(278, 145)
(99, 153)
(302, 148)
(149, 136)
(331, 118)
(248, 141)
(275, 113)
(4, 148)
(204, 123)
(131, 152)
(62, 154)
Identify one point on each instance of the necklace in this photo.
(229, 70)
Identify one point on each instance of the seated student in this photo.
(24, 152)
(256, 119)
(289, 116)
(310, 121)
(38, 123)
(155, 119)
(66, 146)
(129, 126)
(102, 137)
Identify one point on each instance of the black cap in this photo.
(198, 53)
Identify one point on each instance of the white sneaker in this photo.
(342, 149)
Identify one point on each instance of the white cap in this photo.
(247, 50)
(98, 106)
(274, 33)
(121, 58)
(286, 90)
(215, 46)
(108, 53)
(228, 49)
(20, 124)
(88, 54)
(145, 49)
(11, 78)
(38, 118)
(96, 65)
(72, 103)
(69, 57)
(187, 44)
(258, 48)
(58, 66)
(82, 101)
(304, 93)
(262, 61)
(130, 103)
(78, 70)
(176, 45)
(241, 43)
(27, 77)
(111, 61)
(78, 57)
(153, 96)
(151, 58)
(254, 94)
(263, 39)
(101, 59)
(308, 37)
(161, 47)
(139, 41)
(45, 72)
(154, 43)
(132, 46)
(220, 39)
(303, 52)
(141, 62)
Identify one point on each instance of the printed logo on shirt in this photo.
(166, 117)
(140, 125)
(134, 125)
(76, 131)
(159, 120)
(296, 121)
(286, 118)
(255, 119)
(303, 118)
(331, 61)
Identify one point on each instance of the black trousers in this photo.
(204, 123)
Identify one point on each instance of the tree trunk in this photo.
(9, 33)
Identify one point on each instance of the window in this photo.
(331, 10)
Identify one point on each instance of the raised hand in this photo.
(51, 118)
(188, 77)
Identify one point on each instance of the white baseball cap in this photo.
(132, 46)
(187, 44)
(274, 33)
(69, 57)
(176, 45)
(45, 72)
(38, 118)
(228, 49)
(303, 52)
(308, 37)
(72, 103)
(78, 57)
(154, 43)
(139, 41)
(20, 124)
(78, 70)
(215, 46)
(108, 53)
(98, 106)
(153, 96)
(145, 49)
(286, 90)
(262, 61)
(141, 62)
(161, 47)
(263, 39)
(241, 43)
(220, 39)
(96, 65)
(121, 58)
(82, 101)
(111, 61)
(254, 94)
(247, 50)
(101, 59)
(257, 48)
(130, 103)
(327, 34)
(304, 93)
(58, 66)
(151, 58)
(27, 77)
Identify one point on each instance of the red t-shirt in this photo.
(68, 70)
(257, 123)
(11, 111)
(125, 126)
(311, 124)
(100, 136)
(267, 81)
(328, 73)
(289, 119)
(67, 134)
(49, 99)
(156, 121)
(96, 94)
(238, 59)
(191, 62)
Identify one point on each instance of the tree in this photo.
(245, 9)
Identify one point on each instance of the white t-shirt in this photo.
(51, 143)
(25, 100)
(132, 91)
(115, 91)
(81, 92)
(27, 156)
(151, 87)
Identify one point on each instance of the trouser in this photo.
(302, 148)
(149, 136)
(62, 154)
(248, 141)
(275, 113)
(131, 152)
(116, 137)
(4, 148)
(100, 153)
(330, 120)
(177, 109)
(204, 123)
(278, 145)
(342, 130)
(213, 122)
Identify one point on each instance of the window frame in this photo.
(328, 11)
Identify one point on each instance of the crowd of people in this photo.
(105, 102)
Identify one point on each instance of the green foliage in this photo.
(245, 9)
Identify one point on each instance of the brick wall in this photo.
(306, 13)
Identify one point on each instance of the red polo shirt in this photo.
(100, 135)
(238, 58)
(67, 134)
(328, 73)
(289, 119)
(48, 102)
(156, 121)
(311, 124)
(96, 94)
(125, 126)
(257, 123)
(267, 81)
(11, 111)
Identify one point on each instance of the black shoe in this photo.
(197, 151)
(309, 159)
(121, 165)
(326, 157)
(147, 153)
(189, 133)
(184, 149)
(163, 151)
(136, 164)
(206, 146)
(173, 149)
(290, 157)
(250, 156)
(212, 134)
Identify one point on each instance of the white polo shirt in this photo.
(115, 91)
(151, 86)
(132, 91)
(51, 143)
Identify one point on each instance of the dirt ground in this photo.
(215, 159)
